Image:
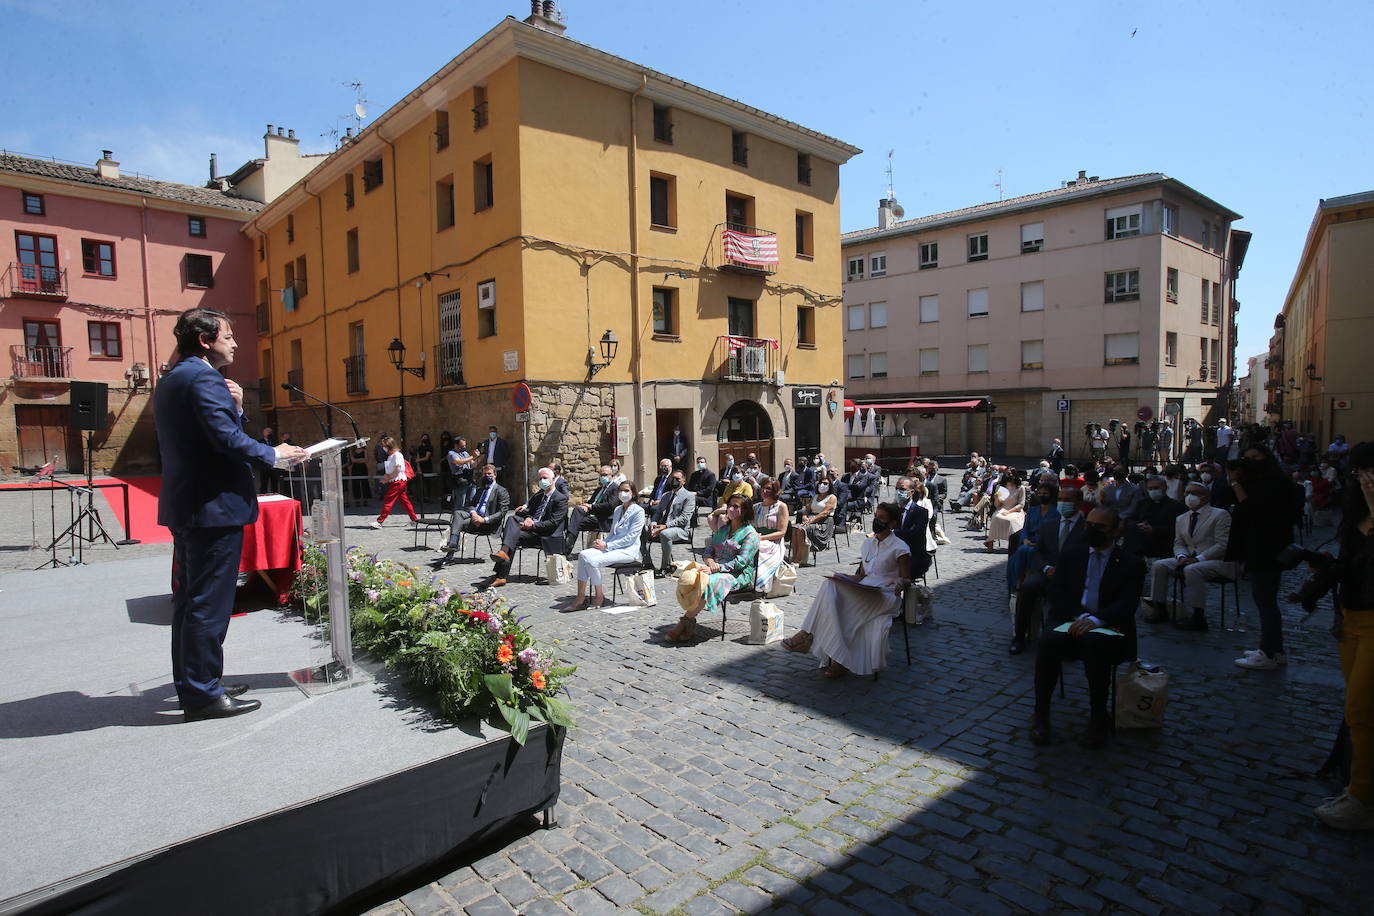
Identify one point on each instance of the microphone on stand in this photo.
(287, 386)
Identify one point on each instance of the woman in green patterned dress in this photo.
(732, 558)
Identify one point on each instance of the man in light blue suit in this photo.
(207, 497)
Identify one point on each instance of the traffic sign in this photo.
(1145, 415)
(1341, 404)
(520, 396)
(1062, 405)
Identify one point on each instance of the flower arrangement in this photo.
(470, 649)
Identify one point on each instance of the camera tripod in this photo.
(84, 514)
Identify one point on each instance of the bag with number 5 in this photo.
(1141, 695)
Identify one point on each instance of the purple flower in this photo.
(528, 657)
(494, 625)
(442, 595)
(373, 594)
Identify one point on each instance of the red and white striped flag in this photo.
(750, 249)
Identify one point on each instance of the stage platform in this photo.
(108, 794)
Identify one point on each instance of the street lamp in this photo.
(396, 352)
(1312, 375)
(609, 346)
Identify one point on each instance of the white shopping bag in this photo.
(643, 588)
(765, 623)
(1141, 697)
(918, 608)
(556, 569)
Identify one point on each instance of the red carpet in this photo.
(143, 493)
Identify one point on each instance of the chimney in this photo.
(885, 215)
(545, 14)
(1082, 176)
(107, 168)
(280, 144)
(214, 168)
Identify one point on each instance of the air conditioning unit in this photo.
(779, 378)
(753, 361)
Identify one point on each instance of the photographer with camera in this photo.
(1351, 575)
(1261, 528)
(1097, 442)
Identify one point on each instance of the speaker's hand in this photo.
(236, 393)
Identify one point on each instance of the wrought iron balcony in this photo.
(36, 281)
(355, 374)
(41, 362)
(745, 359)
(748, 249)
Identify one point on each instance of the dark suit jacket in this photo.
(675, 510)
(1118, 593)
(1056, 458)
(660, 480)
(1160, 516)
(207, 479)
(1048, 551)
(703, 484)
(500, 457)
(553, 518)
(498, 504)
(560, 483)
(912, 529)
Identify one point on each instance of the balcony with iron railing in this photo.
(296, 377)
(448, 360)
(264, 314)
(748, 249)
(355, 374)
(40, 362)
(35, 281)
(745, 359)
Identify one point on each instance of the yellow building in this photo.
(1318, 377)
(530, 197)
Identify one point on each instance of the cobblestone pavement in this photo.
(721, 777)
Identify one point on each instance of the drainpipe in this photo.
(324, 306)
(396, 245)
(153, 361)
(636, 347)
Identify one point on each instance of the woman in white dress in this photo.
(619, 545)
(1011, 511)
(848, 622)
(771, 519)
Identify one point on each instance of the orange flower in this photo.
(405, 583)
(504, 654)
(537, 678)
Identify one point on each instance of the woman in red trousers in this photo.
(394, 479)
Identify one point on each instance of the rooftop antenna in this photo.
(998, 184)
(359, 113)
(898, 211)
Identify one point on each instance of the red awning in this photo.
(848, 408)
(924, 406)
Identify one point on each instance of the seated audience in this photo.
(735, 485)
(1011, 511)
(669, 523)
(913, 524)
(703, 484)
(594, 515)
(485, 516)
(620, 545)
(1094, 591)
(771, 518)
(1040, 512)
(1201, 535)
(731, 557)
(659, 488)
(1151, 532)
(847, 625)
(545, 513)
(816, 525)
(1068, 530)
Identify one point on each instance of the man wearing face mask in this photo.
(496, 452)
(1095, 588)
(729, 467)
(678, 447)
(1215, 477)
(668, 523)
(484, 516)
(913, 527)
(544, 514)
(1068, 531)
(660, 484)
(1151, 533)
(703, 483)
(1201, 535)
(595, 515)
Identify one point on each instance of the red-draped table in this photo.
(272, 544)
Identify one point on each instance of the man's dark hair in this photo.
(194, 324)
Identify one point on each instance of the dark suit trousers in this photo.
(513, 536)
(1029, 598)
(1098, 653)
(205, 568)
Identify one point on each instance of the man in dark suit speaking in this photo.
(207, 497)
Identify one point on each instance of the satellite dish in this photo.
(360, 110)
(897, 210)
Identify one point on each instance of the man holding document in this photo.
(1093, 597)
(207, 497)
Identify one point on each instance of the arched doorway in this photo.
(745, 428)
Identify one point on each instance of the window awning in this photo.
(960, 406)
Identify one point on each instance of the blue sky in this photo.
(1263, 106)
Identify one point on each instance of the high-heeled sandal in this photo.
(799, 642)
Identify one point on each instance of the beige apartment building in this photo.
(1317, 375)
(1115, 295)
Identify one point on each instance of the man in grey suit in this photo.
(669, 522)
(488, 511)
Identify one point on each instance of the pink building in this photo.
(1103, 299)
(101, 266)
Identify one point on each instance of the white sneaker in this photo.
(376, 524)
(1347, 813)
(1256, 660)
(1332, 803)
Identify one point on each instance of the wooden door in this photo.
(44, 436)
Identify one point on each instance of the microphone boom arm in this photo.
(356, 436)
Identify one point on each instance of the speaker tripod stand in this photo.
(84, 516)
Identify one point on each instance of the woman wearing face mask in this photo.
(847, 625)
(817, 524)
(1042, 508)
(1010, 514)
(735, 485)
(731, 557)
(617, 478)
(1261, 527)
(620, 545)
(771, 520)
(1091, 489)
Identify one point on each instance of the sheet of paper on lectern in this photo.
(312, 451)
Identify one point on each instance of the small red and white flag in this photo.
(746, 248)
